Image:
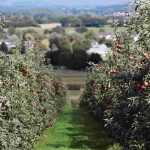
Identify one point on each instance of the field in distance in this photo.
(74, 82)
(42, 27)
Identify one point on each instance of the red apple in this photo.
(147, 55)
(146, 84)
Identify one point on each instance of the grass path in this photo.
(75, 129)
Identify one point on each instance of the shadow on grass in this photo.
(75, 129)
(86, 132)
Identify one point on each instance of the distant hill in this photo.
(35, 7)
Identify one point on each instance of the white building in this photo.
(100, 49)
(50, 26)
(121, 14)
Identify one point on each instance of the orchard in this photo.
(118, 91)
(30, 99)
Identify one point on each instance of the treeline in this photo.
(77, 60)
(70, 52)
(20, 21)
(85, 20)
(25, 20)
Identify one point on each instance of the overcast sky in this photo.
(64, 2)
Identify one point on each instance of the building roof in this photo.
(101, 49)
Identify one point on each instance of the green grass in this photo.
(40, 30)
(75, 129)
(37, 29)
(106, 28)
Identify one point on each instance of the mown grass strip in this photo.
(75, 129)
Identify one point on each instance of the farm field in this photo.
(40, 28)
(71, 77)
(43, 27)
(75, 76)
(106, 28)
(74, 82)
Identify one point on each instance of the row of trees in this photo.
(15, 20)
(118, 91)
(30, 99)
(78, 60)
(86, 20)
(24, 20)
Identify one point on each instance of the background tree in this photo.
(4, 48)
(23, 49)
(81, 29)
(79, 60)
(95, 58)
(69, 51)
(109, 43)
(11, 30)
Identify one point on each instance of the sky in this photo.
(62, 2)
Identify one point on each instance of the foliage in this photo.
(21, 21)
(81, 29)
(69, 51)
(83, 20)
(95, 58)
(55, 30)
(118, 91)
(90, 35)
(109, 43)
(4, 47)
(30, 98)
(79, 60)
(70, 21)
(101, 40)
(90, 21)
(11, 30)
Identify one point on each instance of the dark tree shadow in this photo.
(87, 132)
